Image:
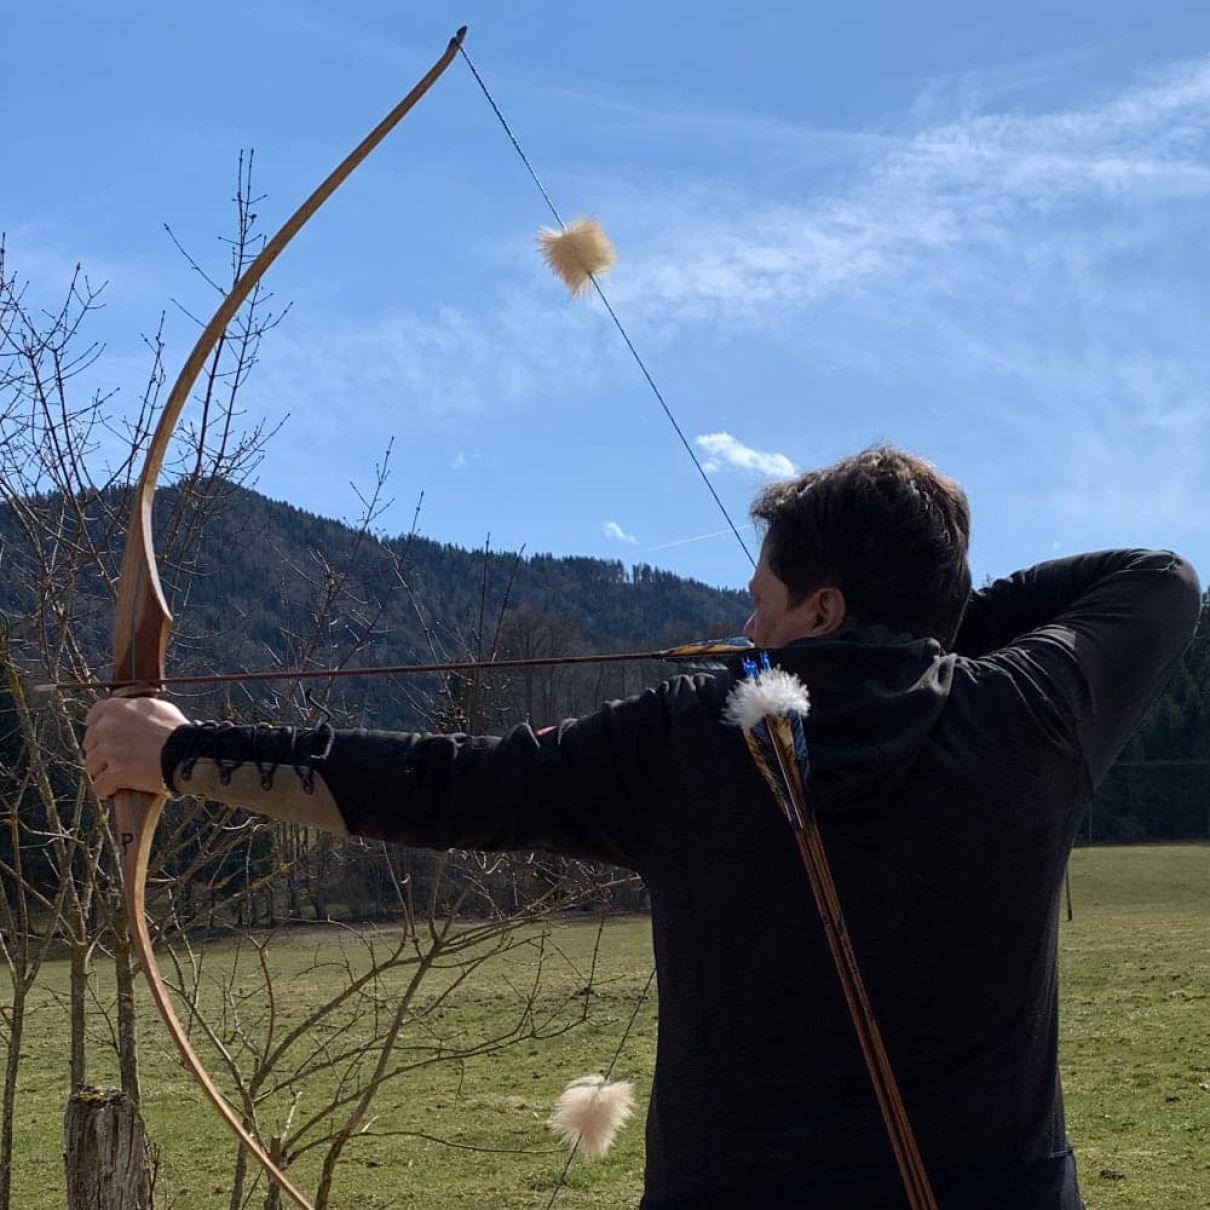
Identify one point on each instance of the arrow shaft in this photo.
(691, 651)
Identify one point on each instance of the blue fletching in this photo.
(800, 745)
(754, 665)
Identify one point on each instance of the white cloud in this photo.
(615, 533)
(724, 452)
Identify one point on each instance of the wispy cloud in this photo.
(725, 452)
(944, 200)
(455, 362)
(1061, 255)
(927, 216)
(615, 533)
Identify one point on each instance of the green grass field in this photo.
(1136, 1062)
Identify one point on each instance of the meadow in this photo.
(469, 1132)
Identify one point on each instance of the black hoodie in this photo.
(949, 786)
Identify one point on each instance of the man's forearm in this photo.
(271, 770)
(563, 790)
(1036, 596)
(1096, 636)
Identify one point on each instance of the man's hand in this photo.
(123, 742)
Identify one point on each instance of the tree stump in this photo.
(105, 1152)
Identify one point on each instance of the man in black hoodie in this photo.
(955, 742)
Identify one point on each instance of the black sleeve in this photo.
(576, 789)
(1095, 637)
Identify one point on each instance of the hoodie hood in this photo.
(875, 696)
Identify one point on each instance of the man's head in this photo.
(876, 539)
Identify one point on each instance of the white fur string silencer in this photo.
(773, 691)
(578, 252)
(590, 1111)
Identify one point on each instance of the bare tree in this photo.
(218, 874)
(65, 510)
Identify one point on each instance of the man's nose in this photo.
(750, 626)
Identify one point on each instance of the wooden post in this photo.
(105, 1152)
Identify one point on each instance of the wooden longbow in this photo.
(143, 623)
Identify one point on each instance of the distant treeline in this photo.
(1159, 789)
(263, 576)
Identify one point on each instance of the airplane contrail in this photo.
(718, 533)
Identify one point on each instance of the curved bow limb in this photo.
(134, 820)
(142, 623)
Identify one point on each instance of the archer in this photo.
(955, 741)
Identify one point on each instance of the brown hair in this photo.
(886, 528)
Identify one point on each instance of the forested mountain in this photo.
(262, 584)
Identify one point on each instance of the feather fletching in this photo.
(578, 252)
(590, 1111)
(771, 692)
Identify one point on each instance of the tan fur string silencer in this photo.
(577, 253)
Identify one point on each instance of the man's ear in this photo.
(826, 611)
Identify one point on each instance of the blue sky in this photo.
(979, 231)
